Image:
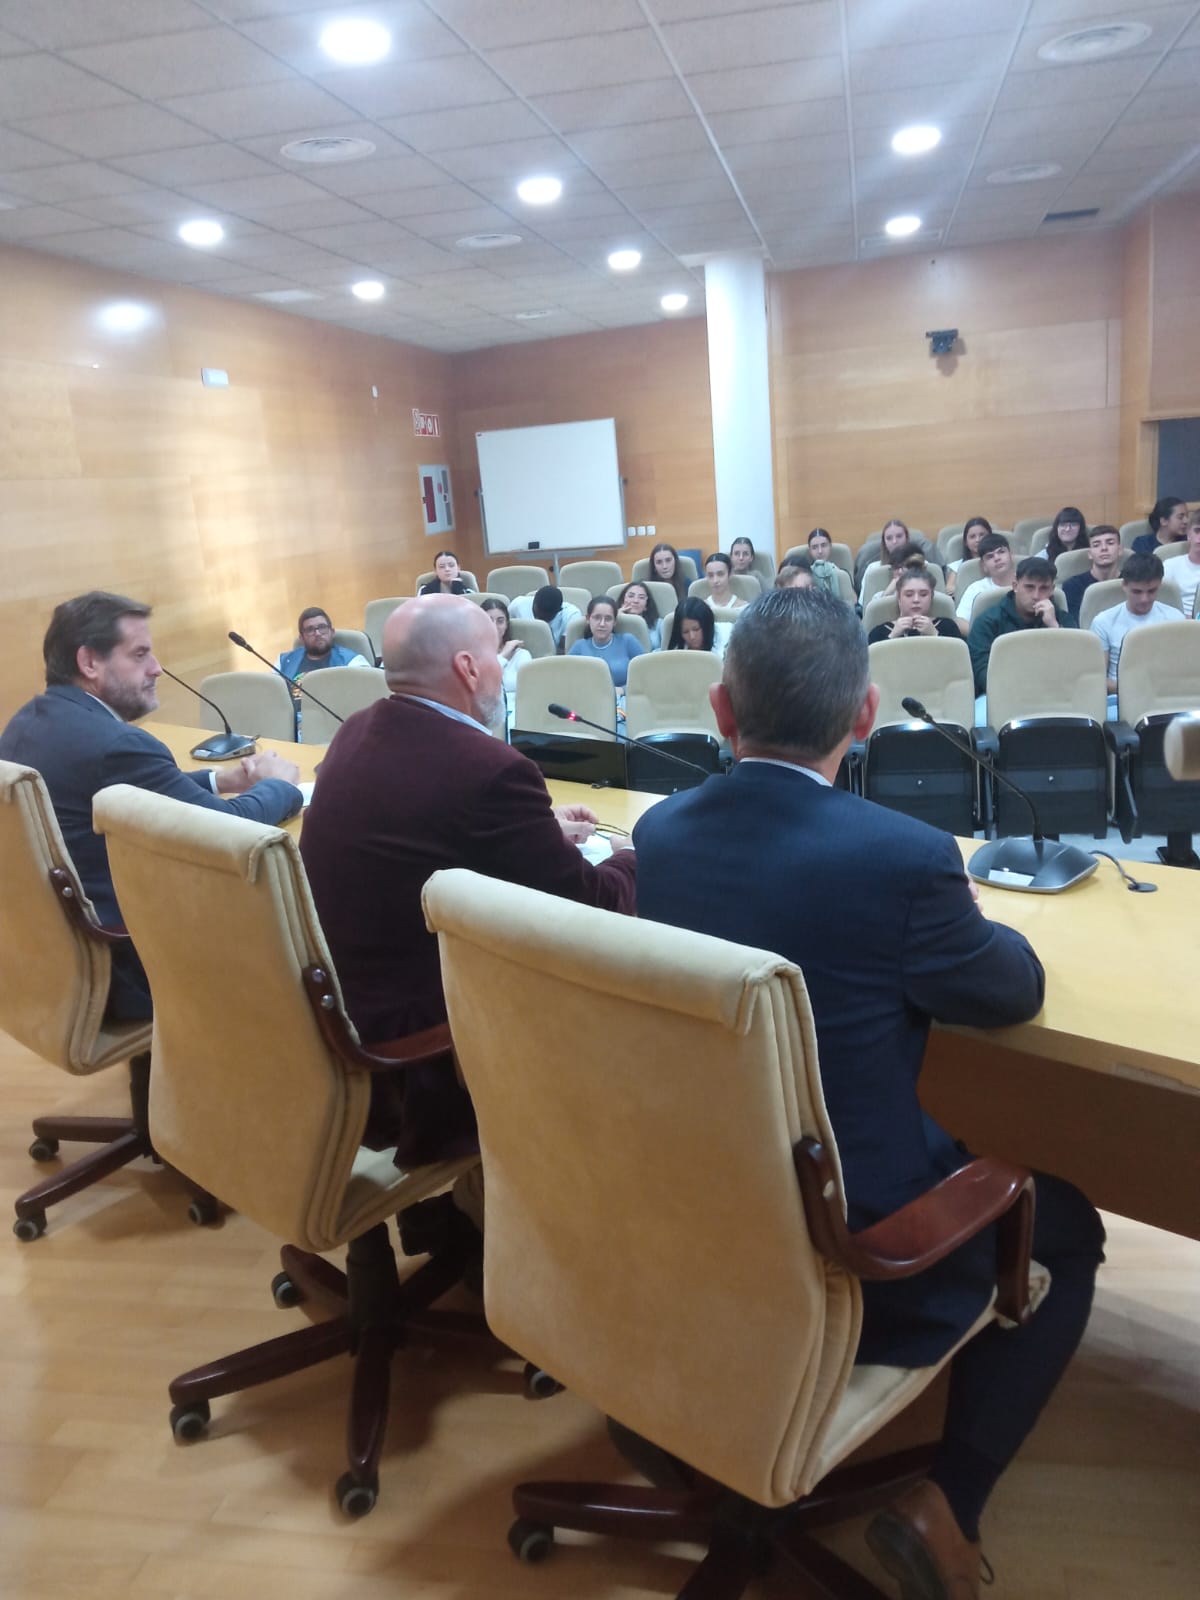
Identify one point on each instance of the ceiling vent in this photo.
(488, 241)
(1025, 172)
(1094, 44)
(1072, 216)
(878, 243)
(327, 148)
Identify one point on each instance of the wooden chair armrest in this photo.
(77, 912)
(930, 1227)
(431, 1044)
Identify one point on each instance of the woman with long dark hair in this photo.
(665, 568)
(694, 627)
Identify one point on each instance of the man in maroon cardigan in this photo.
(411, 785)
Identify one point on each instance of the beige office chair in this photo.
(911, 768)
(937, 672)
(662, 594)
(626, 623)
(1158, 677)
(886, 608)
(641, 568)
(534, 634)
(468, 578)
(840, 554)
(377, 613)
(574, 596)
(876, 578)
(344, 690)
(580, 682)
(686, 1073)
(945, 538)
(594, 576)
(515, 581)
(763, 568)
(744, 588)
(1038, 540)
(1025, 528)
(1134, 530)
(256, 703)
(970, 572)
(55, 967)
(260, 1092)
(1104, 596)
(667, 692)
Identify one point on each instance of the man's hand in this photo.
(577, 822)
(252, 769)
(1048, 611)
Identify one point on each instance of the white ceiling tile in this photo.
(464, 126)
(1164, 23)
(487, 25)
(62, 24)
(669, 137)
(960, 135)
(201, 163)
(402, 88)
(419, 200)
(687, 10)
(628, 104)
(10, 45)
(36, 85)
(658, 195)
(112, 131)
(81, 180)
(291, 106)
(512, 160)
(632, 56)
(127, 210)
(326, 210)
(756, 38)
(1064, 15)
(782, 83)
(1154, 104)
(180, 63)
(688, 166)
(247, 196)
(830, 150)
(1082, 125)
(452, 225)
(357, 236)
(942, 104)
(35, 222)
(979, 58)
(874, 24)
(1145, 163)
(796, 121)
(378, 174)
(1181, 70)
(1155, 135)
(18, 151)
(1094, 83)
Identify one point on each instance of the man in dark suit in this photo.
(876, 910)
(101, 677)
(413, 784)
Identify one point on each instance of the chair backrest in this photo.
(679, 1057)
(355, 639)
(376, 614)
(1110, 592)
(53, 979)
(886, 608)
(344, 690)
(1072, 562)
(626, 623)
(935, 671)
(840, 554)
(1134, 530)
(468, 578)
(514, 581)
(1038, 540)
(1025, 527)
(1046, 672)
(478, 596)
(246, 1098)
(664, 595)
(667, 692)
(580, 682)
(1160, 670)
(257, 703)
(946, 537)
(641, 568)
(763, 568)
(594, 576)
(534, 634)
(970, 572)
(1165, 552)
(745, 588)
(877, 577)
(575, 597)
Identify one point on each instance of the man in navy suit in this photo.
(101, 677)
(876, 910)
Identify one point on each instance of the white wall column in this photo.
(738, 376)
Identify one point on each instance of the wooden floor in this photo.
(123, 1293)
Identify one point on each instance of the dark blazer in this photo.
(404, 791)
(80, 747)
(875, 909)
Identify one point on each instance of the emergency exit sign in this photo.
(426, 424)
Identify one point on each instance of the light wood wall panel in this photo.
(1022, 418)
(1174, 377)
(222, 507)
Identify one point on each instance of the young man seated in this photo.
(1185, 570)
(1029, 604)
(1141, 580)
(999, 571)
(1104, 551)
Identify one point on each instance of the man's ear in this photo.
(718, 698)
(865, 719)
(86, 661)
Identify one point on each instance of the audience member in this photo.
(717, 571)
(546, 605)
(999, 570)
(101, 678)
(824, 568)
(1104, 548)
(872, 548)
(665, 567)
(1168, 525)
(315, 651)
(447, 579)
(974, 529)
(511, 653)
(1141, 579)
(1068, 531)
(876, 911)
(903, 558)
(1184, 570)
(602, 642)
(914, 602)
(694, 627)
(1028, 604)
(794, 575)
(741, 557)
(411, 785)
(636, 600)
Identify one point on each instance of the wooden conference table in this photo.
(1103, 1086)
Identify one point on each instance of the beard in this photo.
(129, 702)
(488, 708)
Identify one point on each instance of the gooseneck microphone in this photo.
(1035, 865)
(225, 746)
(292, 683)
(568, 715)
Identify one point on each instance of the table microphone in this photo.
(568, 715)
(222, 746)
(1035, 864)
(292, 683)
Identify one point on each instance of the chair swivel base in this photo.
(372, 1313)
(741, 1539)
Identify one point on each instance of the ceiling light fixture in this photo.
(1025, 172)
(327, 148)
(368, 289)
(488, 241)
(1094, 44)
(201, 233)
(124, 316)
(624, 260)
(539, 191)
(915, 141)
(355, 42)
(901, 227)
(673, 302)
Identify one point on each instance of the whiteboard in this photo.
(559, 485)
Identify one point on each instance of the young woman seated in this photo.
(974, 528)
(1068, 531)
(694, 627)
(602, 642)
(665, 568)
(741, 555)
(511, 652)
(637, 601)
(718, 570)
(914, 601)
(824, 567)
(448, 579)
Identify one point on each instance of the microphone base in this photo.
(1032, 866)
(224, 747)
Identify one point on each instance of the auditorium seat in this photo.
(1111, 592)
(376, 614)
(580, 682)
(992, 597)
(1159, 677)
(594, 576)
(575, 597)
(885, 608)
(876, 578)
(745, 588)
(355, 639)
(256, 703)
(534, 634)
(664, 596)
(626, 623)
(629, 1080)
(667, 692)
(1072, 562)
(945, 537)
(1134, 530)
(1024, 528)
(344, 690)
(513, 582)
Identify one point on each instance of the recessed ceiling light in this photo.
(327, 148)
(1025, 172)
(916, 140)
(201, 233)
(355, 42)
(1094, 44)
(286, 297)
(539, 191)
(368, 289)
(624, 260)
(532, 316)
(487, 241)
(901, 227)
(673, 302)
(124, 316)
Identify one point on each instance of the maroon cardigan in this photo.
(403, 792)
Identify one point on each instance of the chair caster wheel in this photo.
(539, 1385)
(27, 1229)
(530, 1542)
(354, 1498)
(190, 1422)
(284, 1292)
(43, 1149)
(204, 1213)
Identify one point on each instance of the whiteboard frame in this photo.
(550, 480)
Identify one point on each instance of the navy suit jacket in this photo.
(80, 747)
(875, 909)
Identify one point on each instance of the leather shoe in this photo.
(919, 1543)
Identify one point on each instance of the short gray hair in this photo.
(797, 673)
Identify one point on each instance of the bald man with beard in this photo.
(413, 784)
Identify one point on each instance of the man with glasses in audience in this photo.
(316, 650)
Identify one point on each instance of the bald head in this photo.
(443, 647)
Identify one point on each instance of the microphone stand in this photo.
(292, 683)
(225, 746)
(567, 715)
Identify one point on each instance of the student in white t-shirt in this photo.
(1141, 579)
(999, 573)
(1185, 570)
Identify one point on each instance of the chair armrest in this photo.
(431, 1044)
(1121, 738)
(78, 914)
(930, 1227)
